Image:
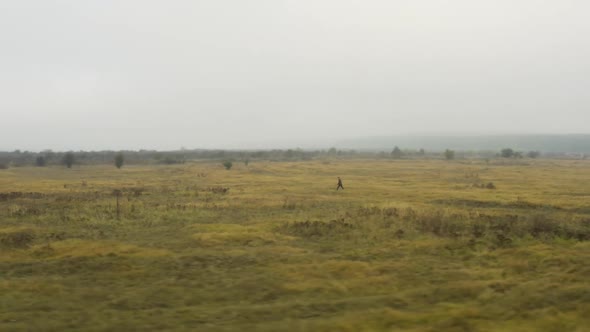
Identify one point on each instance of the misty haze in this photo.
(98, 75)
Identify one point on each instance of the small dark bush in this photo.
(396, 153)
(390, 212)
(228, 165)
(449, 154)
(316, 228)
(171, 161)
(68, 159)
(20, 194)
(289, 204)
(533, 154)
(137, 191)
(40, 161)
(507, 153)
(119, 160)
(502, 240)
(478, 229)
(431, 223)
(540, 225)
(18, 239)
(218, 190)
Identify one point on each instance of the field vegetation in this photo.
(409, 245)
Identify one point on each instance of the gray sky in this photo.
(130, 74)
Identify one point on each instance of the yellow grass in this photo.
(407, 246)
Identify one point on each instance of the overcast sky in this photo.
(131, 74)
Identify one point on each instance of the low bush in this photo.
(16, 239)
(218, 190)
(316, 228)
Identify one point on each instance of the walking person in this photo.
(339, 184)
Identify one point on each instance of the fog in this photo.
(266, 74)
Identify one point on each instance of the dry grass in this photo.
(408, 245)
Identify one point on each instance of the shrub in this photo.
(228, 165)
(449, 154)
(68, 159)
(17, 239)
(119, 159)
(289, 203)
(316, 228)
(539, 225)
(396, 153)
(218, 190)
(507, 153)
(478, 229)
(40, 161)
(533, 154)
(170, 161)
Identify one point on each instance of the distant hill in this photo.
(579, 143)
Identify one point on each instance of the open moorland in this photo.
(408, 245)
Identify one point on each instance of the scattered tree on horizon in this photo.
(40, 161)
(507, 153)
(449, 154)
(396, 153)
(533, 154)
(68, 159)
(227, 164)
(119, 160)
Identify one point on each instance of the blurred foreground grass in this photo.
(407, 246)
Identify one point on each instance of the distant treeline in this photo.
(551, 144)
(46, 158)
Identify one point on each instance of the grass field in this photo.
(407, 246)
